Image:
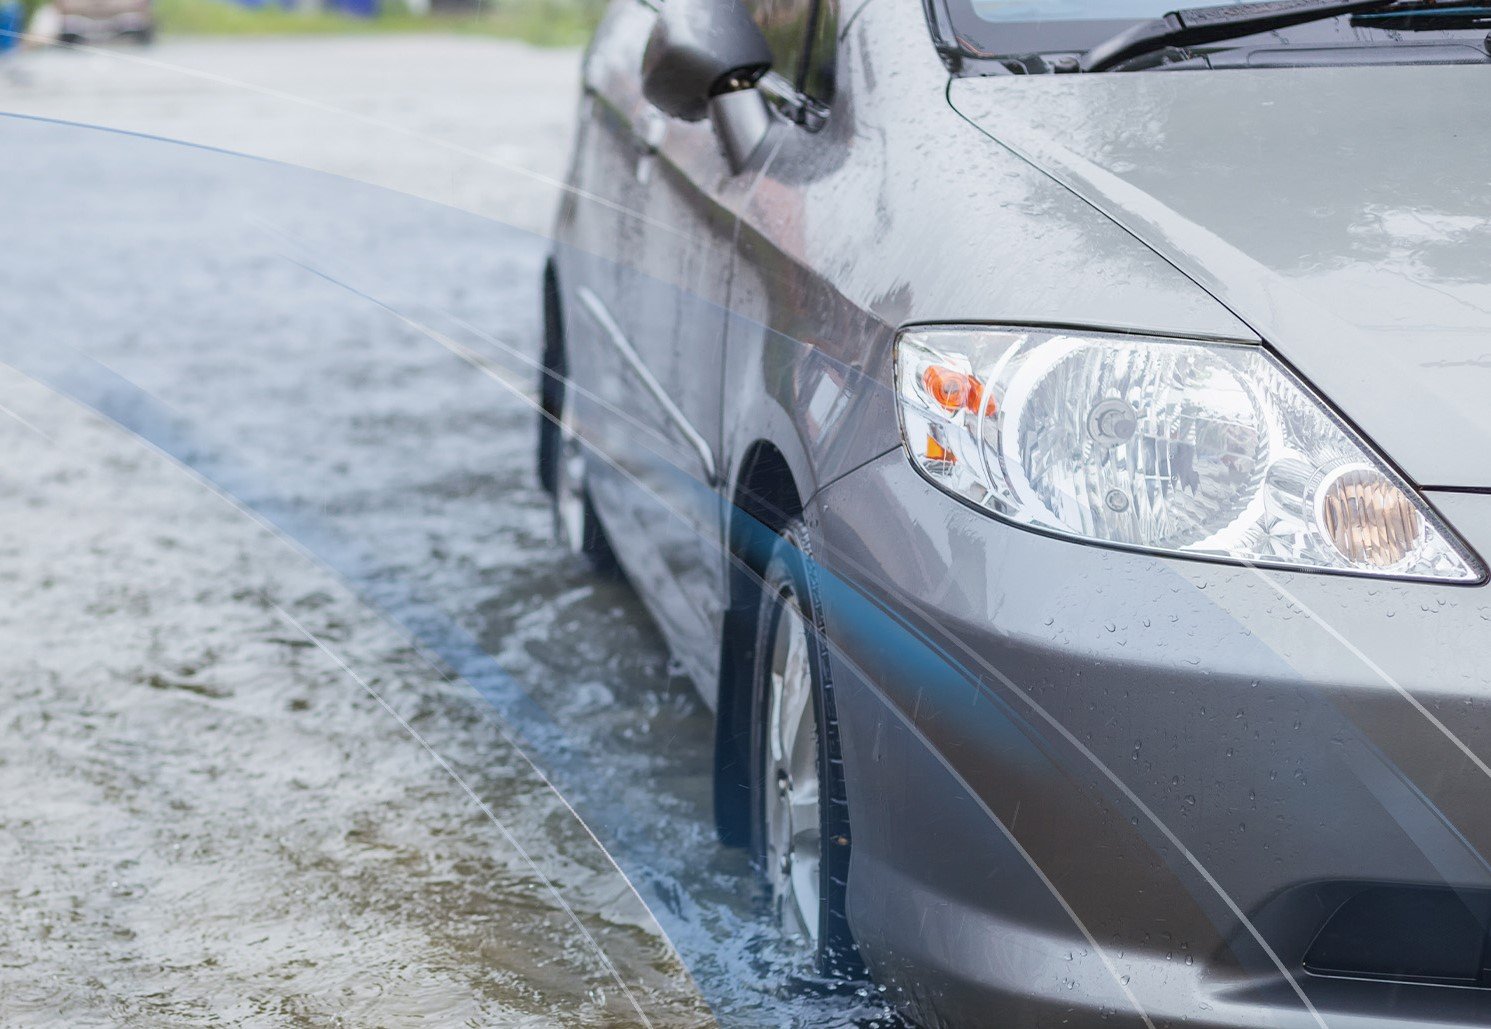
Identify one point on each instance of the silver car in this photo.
(1053, 435)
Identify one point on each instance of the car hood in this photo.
(1342, 213)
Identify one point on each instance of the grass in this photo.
(541, 22)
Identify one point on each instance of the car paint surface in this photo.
(1086, 786)
(1339, 212)
(1175, 760)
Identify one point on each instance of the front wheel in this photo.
(800, 815)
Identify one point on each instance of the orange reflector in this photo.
(937, 452)
(955, 390)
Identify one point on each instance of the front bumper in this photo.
(1086, 783)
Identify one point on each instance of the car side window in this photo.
(823, 48)
(786, 24)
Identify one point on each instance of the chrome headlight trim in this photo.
(1203, 449)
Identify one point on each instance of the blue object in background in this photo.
(356, 8)
(12, 24)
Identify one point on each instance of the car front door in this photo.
(670, 322)
(647, 261)
(794, 331)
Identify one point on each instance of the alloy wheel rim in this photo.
(793, 826)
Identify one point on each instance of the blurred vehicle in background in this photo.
(98, 21)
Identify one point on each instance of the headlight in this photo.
(1208, 449)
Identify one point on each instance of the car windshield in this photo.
(985, 28)
(999, 11)
(990, 28)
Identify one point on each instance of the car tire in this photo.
(561, 451)
(550, 383)
(802, 845)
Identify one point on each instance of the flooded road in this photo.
(306, 716)
(209, 814)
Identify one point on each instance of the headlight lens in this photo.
(1209, 449)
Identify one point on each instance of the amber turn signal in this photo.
(937, 452)
(955, 391)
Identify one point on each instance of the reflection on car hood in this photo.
(1345, 214)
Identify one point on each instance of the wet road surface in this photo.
(287, 624)
(209, 815)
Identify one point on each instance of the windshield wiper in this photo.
(1428, 17)
(1211, 24)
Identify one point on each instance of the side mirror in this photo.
(699, 49)
(703, 58)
